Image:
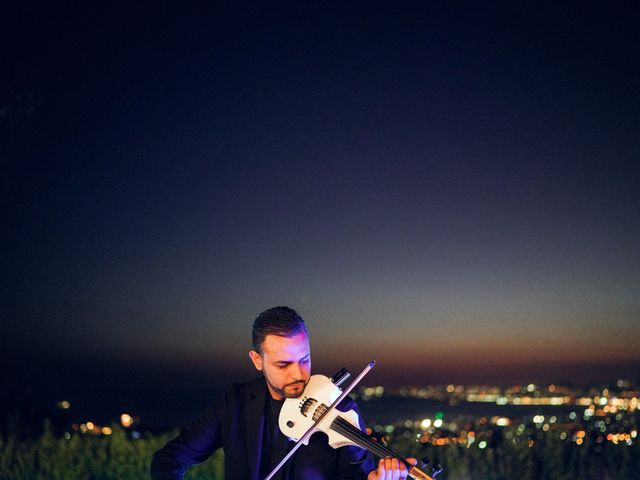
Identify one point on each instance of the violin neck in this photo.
(359, 438)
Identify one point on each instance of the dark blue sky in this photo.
(450, 188)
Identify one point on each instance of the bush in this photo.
(118, 456)
(91, 457)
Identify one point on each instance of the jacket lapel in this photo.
(255, 427)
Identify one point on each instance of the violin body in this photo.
(299, 414)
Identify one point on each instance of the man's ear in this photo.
(256, 359)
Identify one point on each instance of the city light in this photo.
(603, 415)
(502, 422)
(126, 420)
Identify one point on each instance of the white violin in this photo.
(314, 412)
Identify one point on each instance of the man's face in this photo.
(285, 363)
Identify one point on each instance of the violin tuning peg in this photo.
(436, 470)
(340, 377)
(424, 462)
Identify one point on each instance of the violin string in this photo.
(348, 430)
(366, 445)
(360, 438)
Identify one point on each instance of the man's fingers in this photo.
(393, 469)
(395, 465)
(381, 470)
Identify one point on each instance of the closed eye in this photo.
(304, 361)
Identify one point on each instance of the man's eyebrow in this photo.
(291, 361)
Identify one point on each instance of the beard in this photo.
(291, 392)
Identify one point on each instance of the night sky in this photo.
(450, 188)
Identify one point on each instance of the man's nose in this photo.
(297, 371)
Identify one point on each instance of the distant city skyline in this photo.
(178, 406)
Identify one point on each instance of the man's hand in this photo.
(391, 469)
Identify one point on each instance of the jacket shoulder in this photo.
(238, 392)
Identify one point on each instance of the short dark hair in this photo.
(281, 321)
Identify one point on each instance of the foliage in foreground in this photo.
(548, 458)
(87, 457)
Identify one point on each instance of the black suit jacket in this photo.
(235, 423)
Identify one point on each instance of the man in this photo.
(244, 421)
